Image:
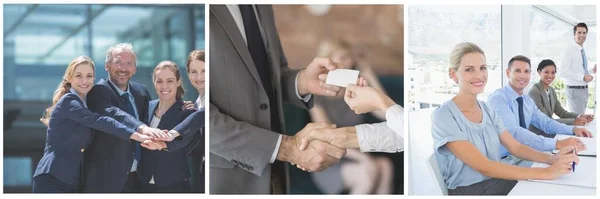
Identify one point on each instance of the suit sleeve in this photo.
(75, 111)
(241, 143)
(561, 112)
(190, 125)
(98, 100)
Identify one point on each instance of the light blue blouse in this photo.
(449, 124)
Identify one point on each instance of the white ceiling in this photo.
(572, 14)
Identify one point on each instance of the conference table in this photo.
(526, 187)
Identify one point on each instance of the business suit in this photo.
(108, 160)
(67, 137)
(549, 106)
(170, 169)
(241, 139)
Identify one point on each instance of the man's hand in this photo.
(311, 80)
(588, 78)
(341, 137)
(582, 132)
(139, 137)
(570, 142)
(154, 145)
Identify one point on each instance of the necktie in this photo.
(257, 49)
(585, 64)
(129, 109)
(521, 116)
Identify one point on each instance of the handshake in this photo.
(153, 138)
(317, 146)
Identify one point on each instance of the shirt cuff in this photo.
(306, 98)
(549, 144)
(568, 129)
(274, 156)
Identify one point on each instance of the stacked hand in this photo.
(316, 156)
(153, 138)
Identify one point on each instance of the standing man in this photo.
(575, 71)
(110, 163)
(518, 111)
(250, 80)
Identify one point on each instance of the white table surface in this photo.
(525, 187)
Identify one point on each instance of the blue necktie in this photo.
(129, 109)
(521, 115)
(585, 67)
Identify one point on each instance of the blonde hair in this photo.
(194, 55)
(461, 50)
(65, 85)
(121, 46)
(327, 47)
(173, 66)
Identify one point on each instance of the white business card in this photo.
(342, 77)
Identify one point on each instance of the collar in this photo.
(578, 46)
(512, 94)
(121, 92)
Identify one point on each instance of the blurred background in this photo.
(502, 31)
(41, 39)
(369, 38)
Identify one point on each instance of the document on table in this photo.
(590, 144)
(342, 77)
(584, 175)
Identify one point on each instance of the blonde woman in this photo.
(467, 135)
(69, 134)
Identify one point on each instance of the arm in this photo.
(98, 100)
(189, 127)
(560, 111)
(524, 136)
(76, 111)
(241, 141)
(549, 125)
(523, 151)
(373, 80)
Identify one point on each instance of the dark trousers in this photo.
(197, 171)
(492, 186)
(178, 187)
(132, 184)
(47, 183)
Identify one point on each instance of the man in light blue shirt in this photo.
(518, 111)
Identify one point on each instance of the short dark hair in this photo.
(544, 63)
(582, 25)
(519, 58)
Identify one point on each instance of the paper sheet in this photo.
(342, 77)
(590, 144)
(584, 175)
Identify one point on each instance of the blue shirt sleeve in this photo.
(501, 106)
(444, 129)
(547, 124)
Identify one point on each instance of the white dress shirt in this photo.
(385, 136)
(239, 22)
(570, 69)
(200, 102)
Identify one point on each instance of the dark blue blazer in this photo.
(190, 128)
(167, 167)
(69, 135)
(108, 160)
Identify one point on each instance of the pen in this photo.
(574, 152)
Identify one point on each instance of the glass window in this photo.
(549, 37)
(17, 171)
(433, 32)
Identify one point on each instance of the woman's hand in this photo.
(363, 99)
(562, 162)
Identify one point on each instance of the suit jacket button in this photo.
(82, 150)
(263, 106)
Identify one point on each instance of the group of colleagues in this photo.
(250, 82)
(483, 148)
(112, 137)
